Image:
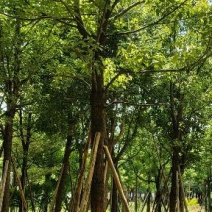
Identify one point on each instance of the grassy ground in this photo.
(195, 208)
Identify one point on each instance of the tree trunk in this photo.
(7, 157)
(174, 181)
(3, 182)
(24, 173)
(136, 193)
(85, 198)
(114, 198)
(97, 102)
(158, 197)
(117, 180)
(46, 195)
(82, 162)
(25, 147)
(149, 201)
(12, 86)
(176, 138)
(64, 174)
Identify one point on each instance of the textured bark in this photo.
(7, 157)
(97, 98)
(98, 125)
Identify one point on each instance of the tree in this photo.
(104, 43)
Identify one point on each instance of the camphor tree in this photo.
(121, 38)
(21, 57)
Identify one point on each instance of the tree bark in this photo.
(86, 194)
(114, 198)
(98, 125)
(158, 197)
(23, 199)
(174, 182)
(176, 112)
(3, 182)
(7, 157)
(12, 86)
(77, 195)
(64, 174)
(117, 181)
(25, 146)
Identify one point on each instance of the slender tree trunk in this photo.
(25, 146)
(174, 181)
(158, 197)
(60, 192)
(149, 201)
(114, 198)
(46, 195)
(85, 198)
(78, 189)
(24, 173)
(136, 193)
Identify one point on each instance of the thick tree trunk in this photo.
(12, 86)
(176, 135)
(98, 124)
(97, 99)
(7, 157)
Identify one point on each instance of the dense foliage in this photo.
(138, 72)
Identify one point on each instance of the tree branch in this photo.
(139, 104)
(114, 4)
(78, 19)
(145, 71)
(155, 22)
(63, 20)
(124, 11)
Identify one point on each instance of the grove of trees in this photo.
(87, 82)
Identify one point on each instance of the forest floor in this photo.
(195, 208)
